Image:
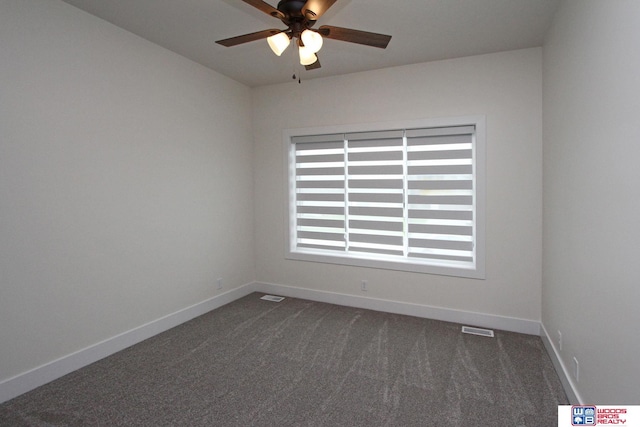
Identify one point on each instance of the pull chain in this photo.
(296, 73)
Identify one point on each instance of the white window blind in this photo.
(406, 196)
(320, 192)
(440, 194)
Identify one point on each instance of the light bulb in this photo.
(307, 57)
(312, 40)
(278, 43)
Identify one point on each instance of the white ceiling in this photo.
(421, 30)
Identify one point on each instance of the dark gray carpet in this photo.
(303, 363)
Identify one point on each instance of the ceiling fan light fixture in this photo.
(312, 40)
(278, 43)
(307, 57)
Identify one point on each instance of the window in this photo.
(399, 197)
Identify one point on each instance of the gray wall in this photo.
(591, 281)
(125, 182)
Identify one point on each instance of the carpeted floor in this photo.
(303, 363)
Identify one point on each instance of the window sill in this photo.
(444, 268)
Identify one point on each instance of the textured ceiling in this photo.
(421, 30)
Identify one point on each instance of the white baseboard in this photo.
(524, 326)
(41, 375)
(48, 372)
(568, 384)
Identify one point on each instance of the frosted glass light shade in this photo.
(278, 43)
(307, 57)
(312, 40)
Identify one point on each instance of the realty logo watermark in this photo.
(590, 415)
(583, 415)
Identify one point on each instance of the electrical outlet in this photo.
(219, 283)
(576, 372)
(363, 286)
(559, 340)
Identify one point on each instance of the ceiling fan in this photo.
(299, 16)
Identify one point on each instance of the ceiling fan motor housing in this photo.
(292, 8)
(294, 17)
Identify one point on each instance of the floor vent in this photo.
(272, 298)
(477, 331)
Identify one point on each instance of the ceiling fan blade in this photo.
(266, 8)
(313, 66)
(355, 36)
(233, 41)
(314, 9)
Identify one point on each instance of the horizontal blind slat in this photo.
(438, 131)
(322, 139)
(374, 136)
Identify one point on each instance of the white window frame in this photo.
(475, 271)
